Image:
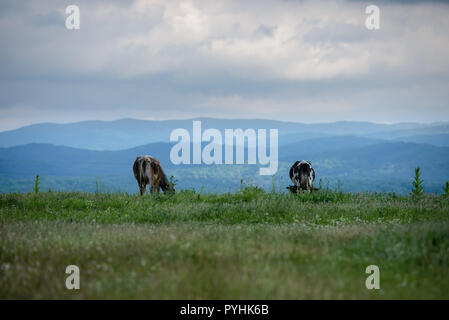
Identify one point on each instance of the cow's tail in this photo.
(137, 168)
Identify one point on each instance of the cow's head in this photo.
(292, 189)
(167, 187)
(171, 187)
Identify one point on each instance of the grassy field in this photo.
(247, 245)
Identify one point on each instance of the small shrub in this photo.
(249, 193)
(446, 188)
(173, 181)
(36, 184)
(417, 188)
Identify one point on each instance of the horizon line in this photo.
(217, 118)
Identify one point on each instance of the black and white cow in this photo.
(302, 176)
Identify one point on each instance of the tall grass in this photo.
(446, 188)
(251, 244)
(249, 205)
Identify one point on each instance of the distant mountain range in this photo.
(128, 133)
(441, 140)
(359, 164)
(360, 156)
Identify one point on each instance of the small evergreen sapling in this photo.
(418, 188)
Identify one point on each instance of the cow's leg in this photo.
(142, 187)
(154, 186)
(312, 188)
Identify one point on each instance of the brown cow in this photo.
(148, 170)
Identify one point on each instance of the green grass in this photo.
(248, 245)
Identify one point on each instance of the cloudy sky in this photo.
(305, 61)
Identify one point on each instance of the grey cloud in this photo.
(265, 30)
(52, 18)
(304, 61)
(338, 32)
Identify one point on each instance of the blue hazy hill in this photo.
(358, 163)
(128, 133)
(441, 139)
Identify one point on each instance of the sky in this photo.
(303, 61)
